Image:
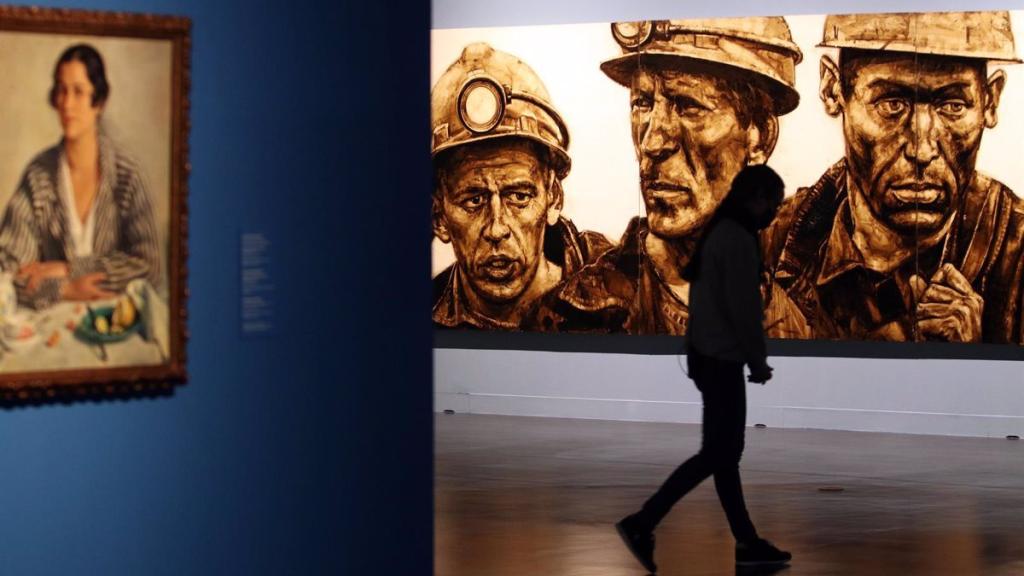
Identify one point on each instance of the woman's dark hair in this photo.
(94, 69)
(752, 182)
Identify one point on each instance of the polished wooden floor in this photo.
(538, 496)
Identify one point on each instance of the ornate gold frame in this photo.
(89, 383)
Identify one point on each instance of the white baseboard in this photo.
(906, 422)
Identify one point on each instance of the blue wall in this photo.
(304, 452)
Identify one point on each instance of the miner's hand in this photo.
(948, 308)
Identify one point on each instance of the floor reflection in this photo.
(760, 570)
(525, 496)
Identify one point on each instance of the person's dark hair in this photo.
(94, 69)
(752, 182)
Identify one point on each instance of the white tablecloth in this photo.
(148, 346)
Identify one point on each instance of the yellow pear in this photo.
(124, 312)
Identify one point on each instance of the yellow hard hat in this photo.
(760, 46)
(985, 35)
(488, 94)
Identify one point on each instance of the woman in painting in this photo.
(80, 225)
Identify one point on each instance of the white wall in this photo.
(957, 397)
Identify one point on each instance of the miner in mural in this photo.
(500, 153)
(705, 97)
(903, 239)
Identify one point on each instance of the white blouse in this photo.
(82, 234)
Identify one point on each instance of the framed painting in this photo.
(93, 192)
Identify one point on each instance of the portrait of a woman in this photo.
(80, 225)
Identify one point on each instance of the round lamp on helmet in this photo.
(631, 35)
(481, 104)
(487, 94)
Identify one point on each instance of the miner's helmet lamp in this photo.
(487, 94)
(482, 106)
(632, 35)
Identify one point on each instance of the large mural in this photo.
(575, 168)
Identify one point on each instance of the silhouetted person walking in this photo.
(725, 332)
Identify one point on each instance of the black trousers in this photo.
(722, 386)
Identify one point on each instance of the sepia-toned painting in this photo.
(93, 166)
(575, 168)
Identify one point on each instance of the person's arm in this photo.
(138, 252)
(37, 287)
(740, 263)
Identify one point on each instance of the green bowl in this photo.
(87, 332)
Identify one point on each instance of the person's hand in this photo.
(36, 272)
(760, 374)
(86, 287)
(948, 308)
